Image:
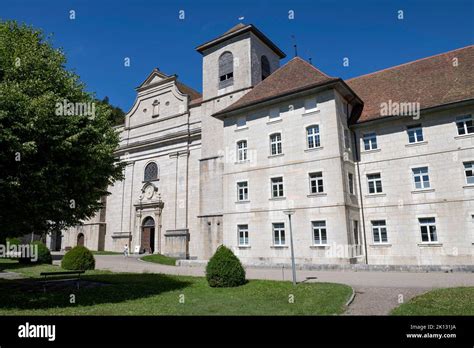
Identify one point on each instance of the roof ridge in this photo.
(410, 62)
(311, 66)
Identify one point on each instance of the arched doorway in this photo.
(148, 235)
(80, 239)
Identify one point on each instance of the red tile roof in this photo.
(431, 81)
(294, 76)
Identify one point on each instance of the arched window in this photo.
(226, 70)
(265, 65)
(151, 172)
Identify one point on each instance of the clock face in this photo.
(149, 190)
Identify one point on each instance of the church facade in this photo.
(378, 169)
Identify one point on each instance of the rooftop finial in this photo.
(294, 45)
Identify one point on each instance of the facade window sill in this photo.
(150, 181)
(277, 199)
(242, 162)
(311, 112)
(320, 246)
(244, 246)
(376, 245)
(381, 194)
(277, 155)
(462, 136)
(279, 246)
(416, 144)
(426, 244)
(468, 186)
(238, 129)
(314, 149)
(423, 190)
(275, 120)
(370, 151)
(320, 194)
(242, 202)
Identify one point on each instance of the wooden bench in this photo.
(53, 274)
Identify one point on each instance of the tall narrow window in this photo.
(319, 233)
(226, 70)
(313, 137)
(375, 183)
(370, 141)
(469, 171)
(243, 235)
(275, 144)
(350, 178)
(242, 150)
(277, 187)
(421, 178)
(415, 133)
(428, 230)
(279, 234)
(379, 230)
(465, 125)
(151, 172)
(243, 191)
(316, 184)
(347, 139)
(265, 64)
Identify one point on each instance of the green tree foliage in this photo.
(55, 162)
(224, 269)
(78, 258)
(43, 256)
(117, 116)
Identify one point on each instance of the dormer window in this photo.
(265, 65)
(226, 70)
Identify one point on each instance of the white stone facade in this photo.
(194, 201)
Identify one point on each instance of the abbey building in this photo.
(377, 169)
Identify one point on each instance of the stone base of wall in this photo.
(347, 267)
(176, 244)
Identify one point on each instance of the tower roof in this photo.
(238, 30)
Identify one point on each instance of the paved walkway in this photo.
(377, 293)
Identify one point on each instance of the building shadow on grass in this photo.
(29, 294)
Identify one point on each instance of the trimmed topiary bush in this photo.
(43, 255)
(78, 258)
(224, 269)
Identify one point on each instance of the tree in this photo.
(56, 143)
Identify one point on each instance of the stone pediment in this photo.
(155, 77)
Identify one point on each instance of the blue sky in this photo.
(152, 35)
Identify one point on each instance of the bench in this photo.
(53, 274)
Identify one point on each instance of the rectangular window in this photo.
(242, 150)
(428, 230)
(277, 187)
(355, 230)
(421, 178)
(279, 234)
(469, 171)
(275, 144)
(319, 233)
(316, 184)
(243, 231)
(274, 113)
(241, 122)
(370, 141)
(243, 191)
(313, 137)
(350, 178)
(465, 125)
(375, 183)
(415, 133)
(379, 230)
(310, 105)
(347, 139)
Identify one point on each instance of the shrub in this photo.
(43, 254)
(224, 269)
(78, 258)
(13, 241)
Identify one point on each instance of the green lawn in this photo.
(158, 294)
(158, 258)
(450, 301)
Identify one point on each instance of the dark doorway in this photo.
(57, 238)
(80, 239)
(148, 235)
